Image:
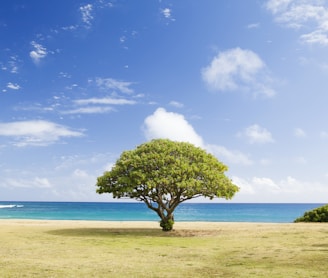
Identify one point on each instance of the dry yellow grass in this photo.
(141, 249)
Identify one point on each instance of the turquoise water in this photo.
(214, 212)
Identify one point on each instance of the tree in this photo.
(163, 174)
(316, 215)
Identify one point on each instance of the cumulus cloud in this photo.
(257, 135)
(36, 133)
(238, 69)
(174, 126)
(112, 84)
(38, 53)
(307, 14)
(163, 124)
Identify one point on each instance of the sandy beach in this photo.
(142, 224)
(194, 226)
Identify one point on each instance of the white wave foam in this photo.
(11, 206)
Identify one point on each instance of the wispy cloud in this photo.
(89, 110)
(253, 25)
(266, 188)
(298, 132)
(113, 84)
(108, 100)
(238, 69)
(36, 182)
(176, 104)
(11, 65)
(174, 126)
(36, 132)
(257, 135)
(231, 156)
(92, 105)
(307, 14)
(86, 14)
(38, 53)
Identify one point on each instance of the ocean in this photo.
(114, 211)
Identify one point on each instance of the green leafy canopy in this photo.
(163, 173)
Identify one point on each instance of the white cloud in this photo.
(253, 25)
(86, 13)
(173, 126)
(70, 28)
(13, 86)
(257, 134)
(266, 182)
(27, 183)
(229, 156)
(298, 132)
(108, 101)
(97, 105)
(307, 14)
(289, 188)
(36, 133)
(89, 110)
(78, 173)
(276, 6)
(238, 69)
(70, 162)
(13, 67)
(167, 14)
(163, 124)
(39, 52)
(112, 84)
(176, 104)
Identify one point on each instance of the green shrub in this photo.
(167, 225)
(316, 215)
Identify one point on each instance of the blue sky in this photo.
(83, 81)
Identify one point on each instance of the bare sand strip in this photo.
(142, 224)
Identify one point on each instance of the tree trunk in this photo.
(167, 222)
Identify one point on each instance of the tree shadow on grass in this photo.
(112, 232)
(128, 232)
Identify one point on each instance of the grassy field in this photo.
(100, 249)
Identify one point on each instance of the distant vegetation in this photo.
(316, 215)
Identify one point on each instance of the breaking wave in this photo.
(11, 206)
